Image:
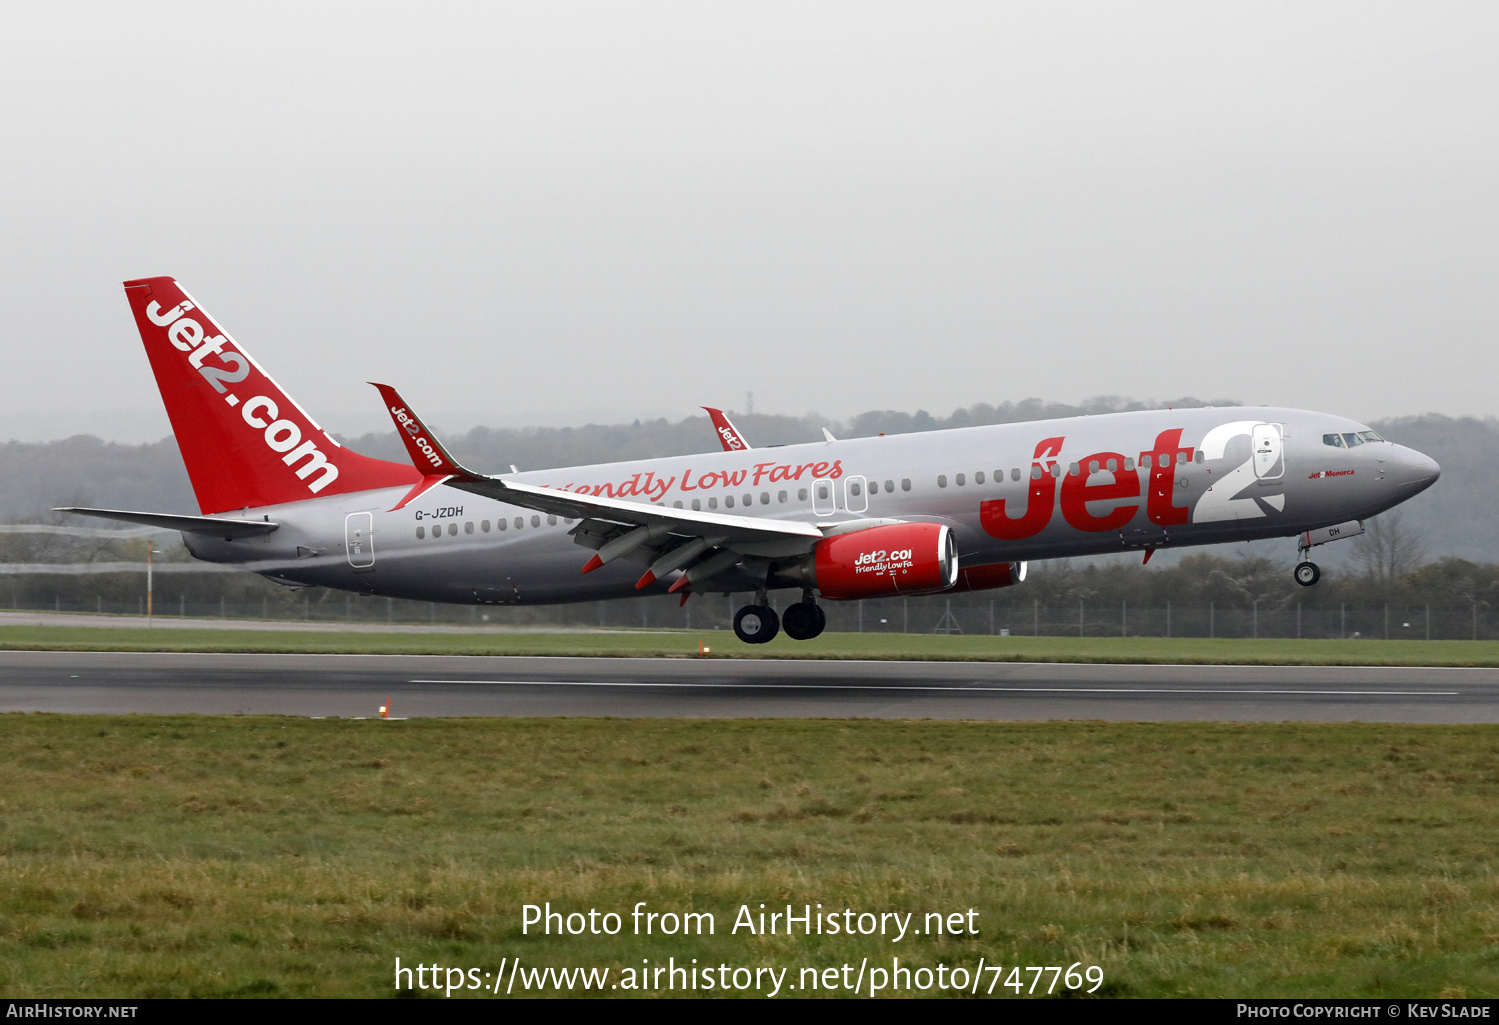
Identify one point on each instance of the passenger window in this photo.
(676, 505)
(551, 519)
(520, 521)
(1036, 471)
(978, 478)
(712, 503)
(960, 480)
(484, 526)
(1352, 440)
(1145, 462)
(855, 490)
(1182, 457)
(781, 497)
(468, 528)
(1056, 469)
(801, 494)
(1093, 466)
(502, 524)
(764, 498)
(452, 530)
(1165, 459)
(942, 480)
(1073, 470)
(729, 502)
(1014, 473)
(535, 521)
(421, 531)
(822, 492)
(1200, 458)
(1113, 465)
(749, 500)
(1129, 463)
(697, 505)
(905, 483)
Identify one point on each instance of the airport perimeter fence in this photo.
(966, 615)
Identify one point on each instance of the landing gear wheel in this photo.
(756, 624)
(1306, 573)
(803, 621)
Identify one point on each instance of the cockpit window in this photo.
(1335, 440)
(1352, 440)
(1369, 436)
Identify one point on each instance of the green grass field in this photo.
(683, 644)
(177, 856)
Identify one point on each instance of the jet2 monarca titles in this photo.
(938, 512)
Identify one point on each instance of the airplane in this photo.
(937, 512)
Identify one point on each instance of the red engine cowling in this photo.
(900, 558)
(986, 578)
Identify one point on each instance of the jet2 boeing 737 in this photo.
(945, 511)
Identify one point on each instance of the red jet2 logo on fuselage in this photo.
(1123, 483)
(1080, 489)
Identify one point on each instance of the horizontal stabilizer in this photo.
(217, 526)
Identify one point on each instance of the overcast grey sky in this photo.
(558, 212)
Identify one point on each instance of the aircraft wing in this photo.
(218, 526)
(578, 506)
(611, 526)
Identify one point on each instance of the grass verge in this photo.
(684, 644)
(196, 856)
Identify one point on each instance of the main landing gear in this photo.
(1306, 573)
(804, 620)
(758, 623)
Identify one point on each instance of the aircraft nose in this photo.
(1412, 469)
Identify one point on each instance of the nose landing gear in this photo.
(1306, 573)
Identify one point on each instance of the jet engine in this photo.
(877, 562)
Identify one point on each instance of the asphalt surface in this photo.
(456, 685)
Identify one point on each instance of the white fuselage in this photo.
(1020, 491)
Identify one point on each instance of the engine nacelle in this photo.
(986, 578)
(899, 558)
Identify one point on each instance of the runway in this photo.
(456, 685)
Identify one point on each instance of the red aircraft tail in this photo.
(246, 442)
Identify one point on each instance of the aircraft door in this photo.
(856, 494)
(824, 502)
(1269, 452)
(359, 540)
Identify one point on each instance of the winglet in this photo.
(728, 435)
(828, 434)
(426, 452)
